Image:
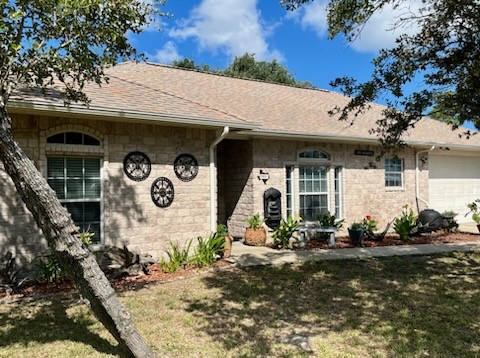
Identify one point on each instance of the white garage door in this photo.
(454, 181)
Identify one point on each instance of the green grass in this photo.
(389, 307)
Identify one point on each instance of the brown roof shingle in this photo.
(266, 107)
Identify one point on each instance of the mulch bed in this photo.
(156, 275)
(438, 237)
(127, 283)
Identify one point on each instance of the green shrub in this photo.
(328, 220)
(474, 210)
(208, 250)
(48, 268)
(356, 226)
(222, 230)
(177, 257)
(369, 224)
(405, 224)
(282, 236)
(254, 222)
(86, 237)
(449, 222)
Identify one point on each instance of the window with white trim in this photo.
(289, 197)
(313, 195)
(393, 173)
(338, 191)
(77, 182)
(308, 191)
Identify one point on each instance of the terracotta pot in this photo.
(228, 247)
(255, 237)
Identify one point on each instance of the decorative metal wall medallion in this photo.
(162, 192)
(137, 166)
(186, 167)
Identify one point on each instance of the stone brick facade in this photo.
(363, 191)
(129, 215)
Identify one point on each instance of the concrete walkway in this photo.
(243, 255)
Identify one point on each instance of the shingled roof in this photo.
(158, 92)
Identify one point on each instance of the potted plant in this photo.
(222, 231)
(475, 211)
(255, 234)
(356, 232)
(449, 223)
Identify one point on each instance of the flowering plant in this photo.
(283, 234)
(369, 224)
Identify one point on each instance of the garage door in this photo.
(454, 181)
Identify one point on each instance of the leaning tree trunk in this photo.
(62, 236)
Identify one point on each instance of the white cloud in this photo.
(377, 33)
(312, 16)
(168, 53)
(231, 26)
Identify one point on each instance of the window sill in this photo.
(394, 189)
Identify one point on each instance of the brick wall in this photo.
(235, 179)
(363, 190)
(129, 215)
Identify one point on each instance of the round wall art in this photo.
(185, 167)
(137, 166)
(162, 192)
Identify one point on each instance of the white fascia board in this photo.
(351, 140)
(108, 113)
(308, 136)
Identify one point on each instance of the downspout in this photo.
(213, 180)
(417, 177)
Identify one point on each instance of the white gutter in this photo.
(347, 139)
(125, 114)
(214, 181)
(417, 177)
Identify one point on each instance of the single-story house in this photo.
(164, 154)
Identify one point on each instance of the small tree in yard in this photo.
(69, 43)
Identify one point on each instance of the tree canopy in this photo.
(246, 66)
(442, 58)
(67, 42)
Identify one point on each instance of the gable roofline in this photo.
(223, 75)
(18, 107)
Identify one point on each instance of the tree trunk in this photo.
(62, 237)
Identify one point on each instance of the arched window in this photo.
(313, 154)
(75, 138)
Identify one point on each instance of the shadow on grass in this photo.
(402, 306)
(46, 321)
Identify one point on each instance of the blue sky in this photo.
(215, 31)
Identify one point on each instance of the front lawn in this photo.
(399, 306)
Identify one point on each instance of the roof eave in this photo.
(127, 115)
(351, 140)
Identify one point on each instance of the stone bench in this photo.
(303, 236)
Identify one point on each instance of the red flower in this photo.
(368, 217)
